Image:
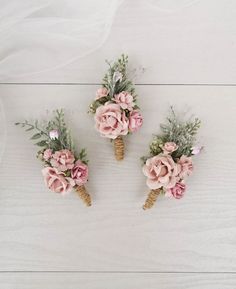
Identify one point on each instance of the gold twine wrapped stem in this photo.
(119, 147)
(84, 195)
(151, 199)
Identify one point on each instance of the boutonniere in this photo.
(64, 168)
(115, 108)
(169, 162)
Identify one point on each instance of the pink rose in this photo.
(169, 147)
(111, 121)
(125, 100)
(79, 173)
(161, 171)
(135, 120)
(47, 154)
(185, 166)
(177, 191)
(56, 181)
(101, 92)
(63, 160)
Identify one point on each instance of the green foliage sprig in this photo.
(115, 81)
(115, 85)
(44, 141)
(183, 133)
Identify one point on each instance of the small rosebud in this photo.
(54, 134)
(196, 150)
(117, 76)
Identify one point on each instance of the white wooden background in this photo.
(185, 55)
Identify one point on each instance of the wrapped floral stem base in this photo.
(169, 162)
(64, 168)
(115, 108)
(84, 195)
(119, 148)
(151, 199)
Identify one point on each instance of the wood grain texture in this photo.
(116, 281)
(44, 231)
(189, 42)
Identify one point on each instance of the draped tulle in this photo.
(41, 35)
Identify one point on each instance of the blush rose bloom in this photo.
(161, 171)
(101, 92)
(169, 147)
(111, 121)
(135, 120)
(177, 191)
(56, 181)
(63, 160)
(47, 154)
(79, 173)
(185, 166)
(125, 100)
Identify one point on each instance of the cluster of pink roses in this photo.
(111, 118)
(63, 171)
(163, 172)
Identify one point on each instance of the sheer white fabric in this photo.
(41, 35)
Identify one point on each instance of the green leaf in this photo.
(136, 106)
(42, 143)
(83, 156)
(36, 136)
